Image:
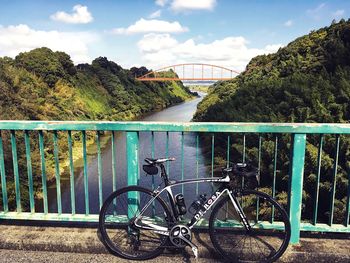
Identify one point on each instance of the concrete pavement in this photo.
(67, 244)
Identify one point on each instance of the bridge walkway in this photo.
(67, 244)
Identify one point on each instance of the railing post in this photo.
(296, 184)
(3, 177)
(132, 155)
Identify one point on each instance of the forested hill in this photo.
(306, 81)
(45, 85)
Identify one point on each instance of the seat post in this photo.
(164, 175)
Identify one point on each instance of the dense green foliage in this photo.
(306, 81)
(45, 85)
(42, 84)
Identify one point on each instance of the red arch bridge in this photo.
(190, 72)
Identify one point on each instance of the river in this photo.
(180, 112)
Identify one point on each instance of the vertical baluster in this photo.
(228, 152)
(43, 170)
(3, 177)
(15, 171)
(99, 168)
(331, 209)
(319, 160)
(86, 180)
(57, 172)
(152, 151)
(243, 154)
(212, 155)
(347, 213)
(71, 169)
(243, 157)
(212, 159)
(228, 164)
(182, 161)
(153, 182)
(167, 152)
(259, 169)
(274, 177)
(197, 162)
(29, 171)
(114, 169)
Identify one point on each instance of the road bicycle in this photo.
(245, 225)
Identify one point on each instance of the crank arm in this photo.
(192, 245)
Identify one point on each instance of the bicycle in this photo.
(244, 224)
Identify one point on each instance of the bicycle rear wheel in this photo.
(268, 237)
(121, 232)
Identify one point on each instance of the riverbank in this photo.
(199, 88)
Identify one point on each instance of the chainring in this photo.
(177, 235)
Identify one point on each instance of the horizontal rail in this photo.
(234, 127)
(93, 218)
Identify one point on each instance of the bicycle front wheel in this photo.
(269, 232)
(124, 229)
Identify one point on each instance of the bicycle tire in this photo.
(227, 248)
(117, 249)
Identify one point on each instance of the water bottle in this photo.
(197, 204)
(180, 202)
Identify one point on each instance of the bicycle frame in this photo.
(199, 214)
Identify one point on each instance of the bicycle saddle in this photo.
(159, 160)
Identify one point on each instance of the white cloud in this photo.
(80, 15)
(155, 42)
(20, 38)
(187, 5)
(153, 25)
(159, 50)
(339, 13)
(317, 9)
(317, 12)
(288, 23)
(155, 14)
(161, 2)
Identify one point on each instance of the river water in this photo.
(180, 113)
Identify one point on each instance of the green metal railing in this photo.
(297, 132)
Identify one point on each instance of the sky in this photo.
(157, 33)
